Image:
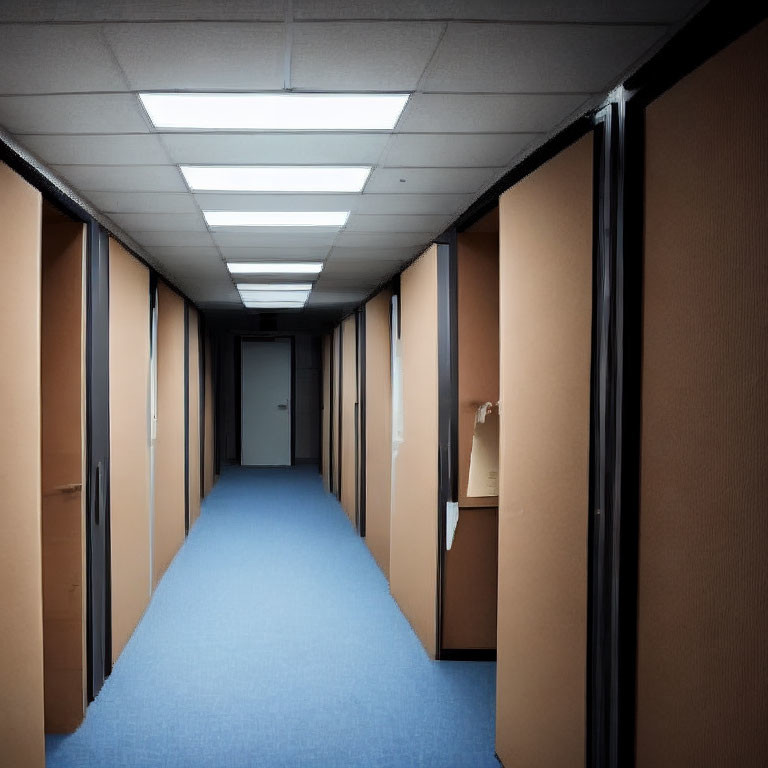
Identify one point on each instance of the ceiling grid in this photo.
(489, 81)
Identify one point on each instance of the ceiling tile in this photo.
(160, 222)
(482, 113)
(195, 253)
(429, 179)
(97, 150)
(190, 56)
(143, 202)
(502, 10)
(382, 56)
(177, 239)
(232, 201)
(410, 203)
(535, 58)
(142, 10)
(281, 239)
(376, 253)
(274, 252)
(320, 297)
(274, 149)
(122, 178)
(72, 113)
(396, 223)
(55, 59)
(455, 149)
(376, 239)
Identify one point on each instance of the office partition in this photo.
(21, 630)
(702, 695)
(378, 423)
(545, 278)
(348, 432)
(168, 523)
(413, 543)
(129, 341)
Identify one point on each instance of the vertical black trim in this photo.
(317, 343)
(341, 407)
(361, 432)
(186, 417)
(98, 565)
(201, 399)
(331, 427)
(293, 401)
(237, 354)
(448, 401)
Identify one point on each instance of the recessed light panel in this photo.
(295, 296)
(274, 267)
(274, 304)
(276, 218)
(274, 286)
(275, 178)
(274, 111)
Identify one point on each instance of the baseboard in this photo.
(468, 654)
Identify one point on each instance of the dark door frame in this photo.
(240, 340)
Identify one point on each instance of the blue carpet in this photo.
(273, 641)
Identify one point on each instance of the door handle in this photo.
(283, 406)
(69, 488)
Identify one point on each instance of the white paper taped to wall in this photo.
(451, 521)
(484, 459)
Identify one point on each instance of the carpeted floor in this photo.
(272, 640)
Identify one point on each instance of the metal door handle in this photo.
(282, 406)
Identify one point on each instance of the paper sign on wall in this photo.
(484, 459)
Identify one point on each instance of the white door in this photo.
(266, 403)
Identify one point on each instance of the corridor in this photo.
(272, 640)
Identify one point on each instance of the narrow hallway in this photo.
(272, 640)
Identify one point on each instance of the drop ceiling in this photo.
(490, 81)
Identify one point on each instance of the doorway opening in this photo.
(63, 454)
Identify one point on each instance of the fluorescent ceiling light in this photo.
(295, 296)
(274, 304)
(274, 286)
(275, 178)
(275, 111)
(274, 267)
(276, 218)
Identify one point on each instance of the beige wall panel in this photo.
(21, 629)
(413, 544)
(478, 333)
(702, 680)
(194, 416)
(129, 441)
(63, 414)
(348, 426)
(336, 447)
(326, 425)
(169, 445)
(208, 463)
(378, 427)
(545, 281)
(471, 576)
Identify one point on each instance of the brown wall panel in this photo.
(335, 403)
(545, 278)
(194, 416)
(702, 679)
(21, 629)
(129, 442)
(326, 415)
(169, 445)
(63, 448)
(378, 427)
(471, 575)
(478, 336)
(413, 544)
(208, 407)
(348, 427)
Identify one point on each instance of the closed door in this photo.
(266, 403)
